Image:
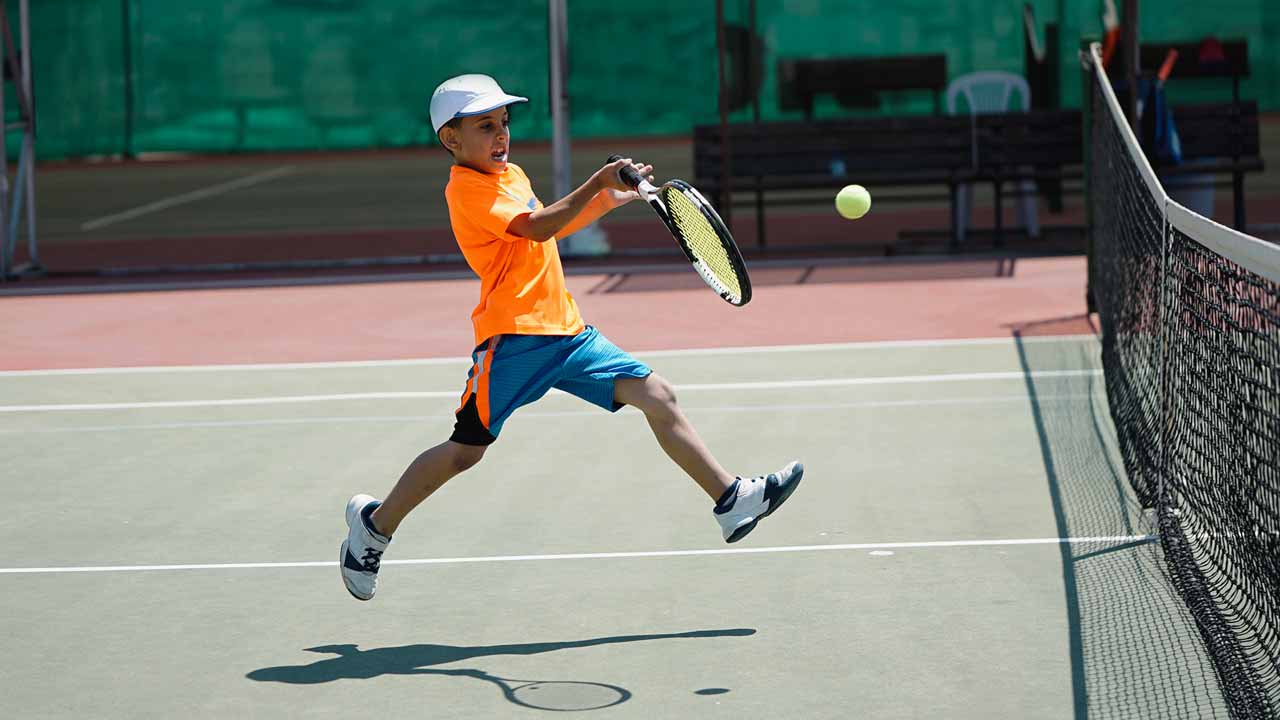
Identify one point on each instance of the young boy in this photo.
(529, 335)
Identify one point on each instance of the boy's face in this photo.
(480, 142)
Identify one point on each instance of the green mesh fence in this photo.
(140, 76)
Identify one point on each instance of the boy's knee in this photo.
(662, 394)
(465, 457)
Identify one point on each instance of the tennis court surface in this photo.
(1013, 507)
(174, 549)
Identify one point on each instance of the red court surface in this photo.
(794, 303)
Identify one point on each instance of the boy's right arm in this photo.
(544, 224)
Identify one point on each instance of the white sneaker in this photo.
(362, 550)
(753, 499)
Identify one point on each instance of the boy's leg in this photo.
(430, 470)
(655, 397)
(370, 523)
(741, 503)
(507, 371)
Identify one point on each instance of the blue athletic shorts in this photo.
(510, 371)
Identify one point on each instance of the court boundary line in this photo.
(411, 362)
(448, 418)
(189, 197)
(906, 545)
(436, 394)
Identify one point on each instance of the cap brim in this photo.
(482, 105)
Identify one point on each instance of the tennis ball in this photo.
(853, 201)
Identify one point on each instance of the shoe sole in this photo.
(342, 558)
(352, 515)
(786, 493)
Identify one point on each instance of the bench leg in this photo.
(1237, 200)
(999, 239)
(760, 217)
(955, 225)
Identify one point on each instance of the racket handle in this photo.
(628, 174)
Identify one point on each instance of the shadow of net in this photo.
(1135, 650)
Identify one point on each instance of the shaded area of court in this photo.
(387, 207)
(940, 478)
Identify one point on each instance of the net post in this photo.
(6, 239)
(592, 239)
(558, 95)
(29, 136)
(126, 19)
(1086, 122)
(17, 70)
(749, 61)
(1131, 60)
(722, 99)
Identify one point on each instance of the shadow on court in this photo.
(352, 663)
(1134, 648)
(818, 273)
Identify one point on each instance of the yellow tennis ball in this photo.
(853, 201)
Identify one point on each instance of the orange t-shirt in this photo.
(522, 287)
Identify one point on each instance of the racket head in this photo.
(565, 695)
(706, 241)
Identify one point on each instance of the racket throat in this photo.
(710, 277)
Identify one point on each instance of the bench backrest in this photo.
(914, 146)
(855, 80)
(1219, 130)
(1039, 137)
(837, 147)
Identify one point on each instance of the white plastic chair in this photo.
(992, 92)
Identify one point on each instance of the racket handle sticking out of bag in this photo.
(699, 231)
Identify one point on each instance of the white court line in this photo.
(686, 352)
(185, 198)
(341, 420)
(893, 380)
(595, 556)
(411, 395)
(277, 400)
(339, 365)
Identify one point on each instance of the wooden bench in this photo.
(826, 155)
(883, 153)
(1220, 138)
(1001, 149)
(1041, 145)
(856, 82)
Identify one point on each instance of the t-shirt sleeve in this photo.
(488, 207)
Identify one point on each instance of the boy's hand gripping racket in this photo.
(699, 231)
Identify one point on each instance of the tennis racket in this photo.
(555, 695)
(699, 231)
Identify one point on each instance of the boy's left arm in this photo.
(602, 204)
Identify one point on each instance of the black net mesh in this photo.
(1221, 503)
(1127, 230)
(1191, 348)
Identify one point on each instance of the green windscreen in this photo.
(140, 76)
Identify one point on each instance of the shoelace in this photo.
(372, 560)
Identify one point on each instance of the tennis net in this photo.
(1190, 316)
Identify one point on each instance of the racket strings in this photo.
(703, 240)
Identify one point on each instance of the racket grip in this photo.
(628, 174)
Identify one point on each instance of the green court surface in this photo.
(172, 537)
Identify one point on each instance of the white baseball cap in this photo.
(467, 95)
